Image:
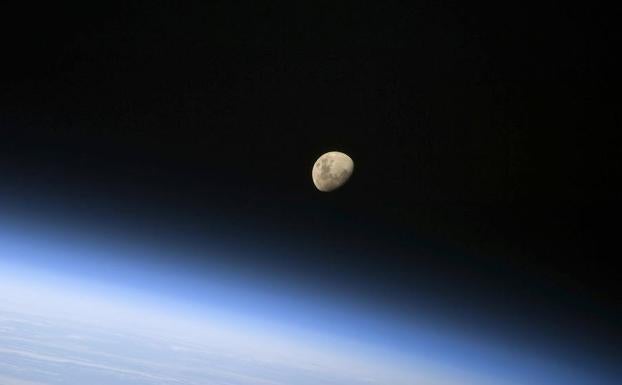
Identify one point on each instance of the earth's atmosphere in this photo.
(117, 322)
(90, 340)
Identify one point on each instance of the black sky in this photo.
(482, 137)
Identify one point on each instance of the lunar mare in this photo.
(332, 170)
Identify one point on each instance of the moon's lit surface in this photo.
(332, 170)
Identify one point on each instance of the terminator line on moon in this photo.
(332, 170)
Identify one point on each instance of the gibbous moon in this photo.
(332, 170)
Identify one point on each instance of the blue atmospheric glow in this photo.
(60, 260)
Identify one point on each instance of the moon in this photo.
(332, 170)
